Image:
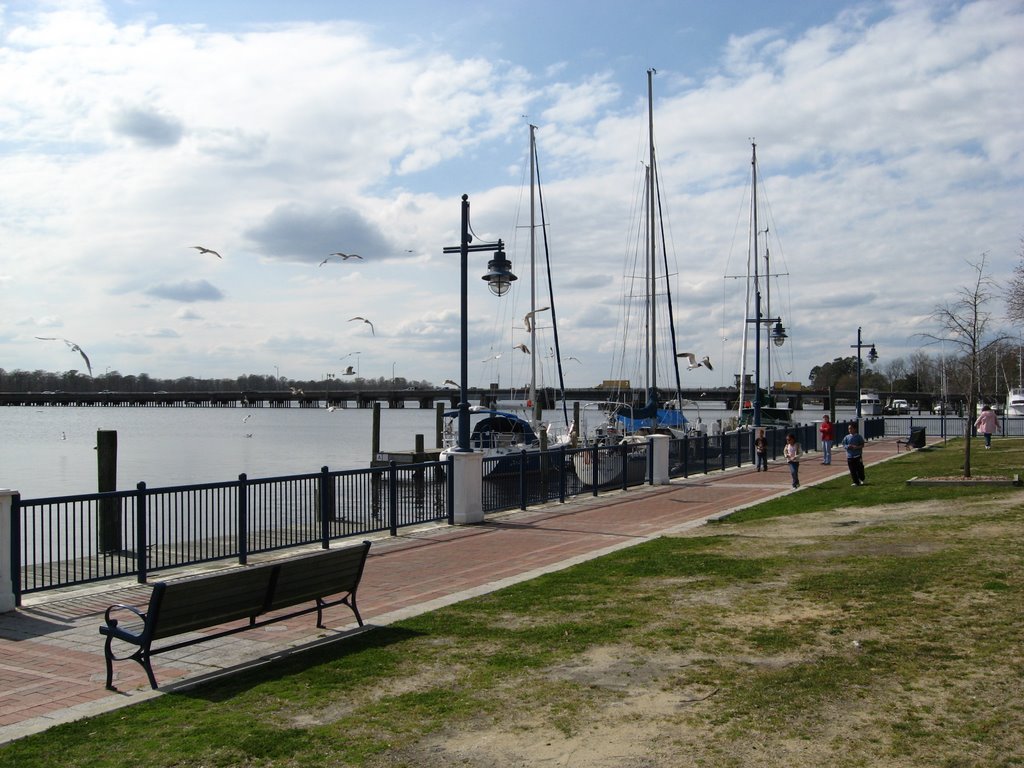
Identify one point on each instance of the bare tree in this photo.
(964, 322)
(1015, 291)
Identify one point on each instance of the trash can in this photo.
(917, 437)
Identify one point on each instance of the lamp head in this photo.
(499, 275)
(778, 334)
(872, 354)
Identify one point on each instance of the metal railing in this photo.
(65, 540)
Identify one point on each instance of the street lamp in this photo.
(327, 401)
(499, 279)
(778, 336)
(872, 357)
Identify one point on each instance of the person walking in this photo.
(792, 454)
(986, 422)
(828, 435)
(854, 445)
(760, 452)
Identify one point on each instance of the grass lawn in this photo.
(878, 626)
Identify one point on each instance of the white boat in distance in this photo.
(870, 403)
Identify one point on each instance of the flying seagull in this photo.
(350, 371)
(347, 256)
(72, 346)
(203, 249)
(365, 321)
(324, 261)
(528, 319)
(297, 391)
(449, 381)
(692, 358)
(522, 348)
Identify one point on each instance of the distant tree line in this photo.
(114, 381)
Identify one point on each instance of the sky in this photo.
(888, 140)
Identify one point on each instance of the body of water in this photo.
(51, 451)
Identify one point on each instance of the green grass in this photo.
(895, 642)
(887, 481)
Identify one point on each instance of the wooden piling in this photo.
(109, 511)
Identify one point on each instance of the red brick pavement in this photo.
(51, 653)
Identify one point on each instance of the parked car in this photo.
(900, 406)
(942, 408)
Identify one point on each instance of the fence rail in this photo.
(65, 540)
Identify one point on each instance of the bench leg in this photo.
(141, 656)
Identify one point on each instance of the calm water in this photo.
(51, 451)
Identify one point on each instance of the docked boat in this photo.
(1015, 402)
(754, 410)
(502, 434)
(622, 436)
(870, 403)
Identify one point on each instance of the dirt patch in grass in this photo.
(881, 637)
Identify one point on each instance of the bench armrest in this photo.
(114, 630)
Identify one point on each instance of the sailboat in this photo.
(1015, 395)
(751, 411)
(503, 435)
(626, 430)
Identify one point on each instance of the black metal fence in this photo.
(66, 540)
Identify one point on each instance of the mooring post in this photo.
(109, 527)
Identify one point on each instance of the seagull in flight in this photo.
(365, 321)
(72, 346)
(528, 319)
(522, 348)
(692, 360)
(324, 261)
(449, 381)
(346, 256)
(297, 391)
(203, 249)
(350, 371)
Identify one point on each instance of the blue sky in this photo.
(889, 143)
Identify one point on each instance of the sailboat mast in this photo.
(757, 290)
(534, 408)
(652, 240)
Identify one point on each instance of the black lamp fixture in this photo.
(872, 358)
(499, 279)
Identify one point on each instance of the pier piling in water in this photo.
(109, 523)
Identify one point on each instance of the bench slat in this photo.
(336, 571)
(211, 600)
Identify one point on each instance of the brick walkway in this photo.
(51, 652)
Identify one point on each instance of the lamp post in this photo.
(872, 357)
(327, 401)
(778, 336)
(499, 279)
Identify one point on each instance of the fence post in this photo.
(243, 519)
(141, 533)
(450, 480)
(325, 501)
(10, 550)
(393, 497)
(562, 473)
(522, 479)
(686, 456)
(593, 468)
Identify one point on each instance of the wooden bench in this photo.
(249, 592)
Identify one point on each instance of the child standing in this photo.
(792, 454)
(760, 452)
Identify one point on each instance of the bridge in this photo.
(425, 398)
